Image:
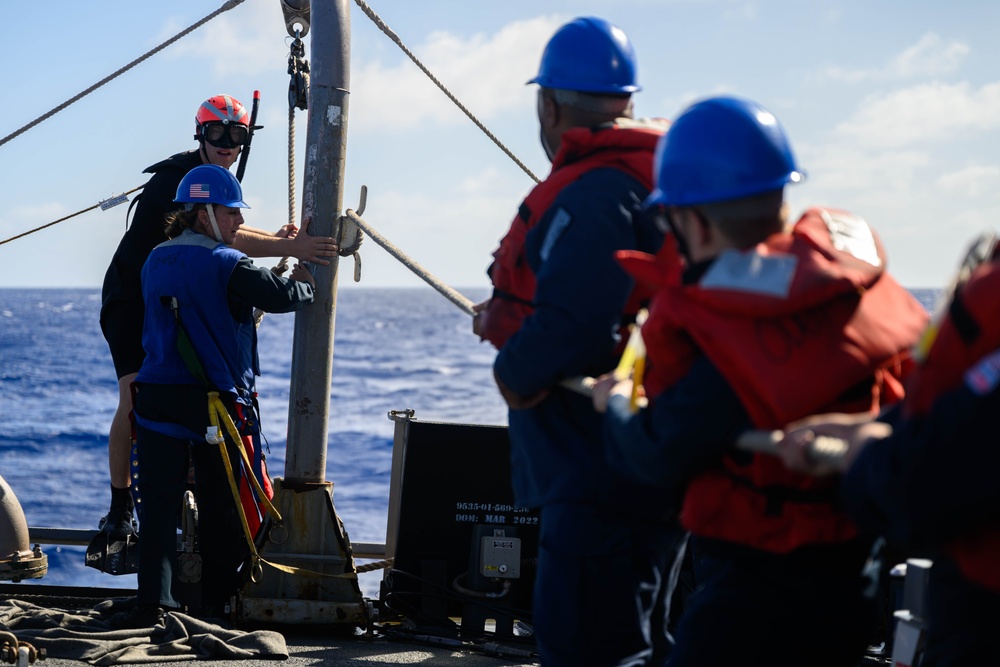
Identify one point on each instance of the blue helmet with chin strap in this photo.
(722, 148)
(589, 55)
(210, 184)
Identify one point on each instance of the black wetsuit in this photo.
(121, 297)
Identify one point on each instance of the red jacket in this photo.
(803, 323)
(627, 146)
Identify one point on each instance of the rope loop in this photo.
(377, 565)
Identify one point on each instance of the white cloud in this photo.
(486, 73)
(741, 11)
(929, 57)
(972, 181)
(246, 40)
(19, 219)
(672, 105)
(483, 182)
(923, 113)
(844, 167)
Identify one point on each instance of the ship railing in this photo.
(83, 537)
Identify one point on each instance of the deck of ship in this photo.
(310, 648)
(306, 645)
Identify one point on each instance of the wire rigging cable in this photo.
(377, 20)
(67, 217)
(297, 66)
(224, 8)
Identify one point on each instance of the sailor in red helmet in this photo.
(558, 303)
(222, 125)
(924, 475)
(765, 324)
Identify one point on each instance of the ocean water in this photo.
(394, 349)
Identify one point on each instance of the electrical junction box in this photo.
(450, 490)
(500, 556)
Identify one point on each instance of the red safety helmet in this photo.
(229, 119)
(224, 108)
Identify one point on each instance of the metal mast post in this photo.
(323, 198)
(312, 539)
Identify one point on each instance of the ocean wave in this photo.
(395, 349)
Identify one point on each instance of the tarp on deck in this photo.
(85, 634)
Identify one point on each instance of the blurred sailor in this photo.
(559, 305)
(766, 323)
(924, 476)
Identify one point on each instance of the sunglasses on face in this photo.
(666, 222)
(225, 135)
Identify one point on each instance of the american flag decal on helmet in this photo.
(198, 191)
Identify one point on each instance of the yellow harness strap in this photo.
(217, 414)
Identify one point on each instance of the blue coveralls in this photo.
(606, 546)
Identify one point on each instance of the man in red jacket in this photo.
(558, 305)
(766, 324)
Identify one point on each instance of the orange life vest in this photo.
(969, 332)
(624, 145)
(803, 323)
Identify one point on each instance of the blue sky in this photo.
(893, 107)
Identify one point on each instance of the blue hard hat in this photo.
(210, 184)
(589, 55)
(722, 148)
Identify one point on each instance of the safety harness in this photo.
(220, 424)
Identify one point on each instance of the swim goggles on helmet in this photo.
(224, 135)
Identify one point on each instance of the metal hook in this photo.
(360, 211)
(351, 235)
(278, 533)
(297, 16)
(298, 68)
(364, 200)
(256, 571)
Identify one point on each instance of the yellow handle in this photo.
(633, 361)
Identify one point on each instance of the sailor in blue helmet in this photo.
(559, 306)
(764, 324)
(222, 129)
(200, 293)
(924, 475)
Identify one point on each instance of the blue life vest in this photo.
(195, 270)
